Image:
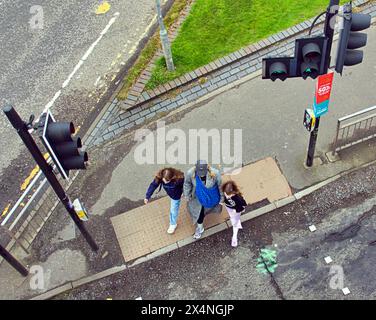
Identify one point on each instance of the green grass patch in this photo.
(150, 49)
(215, 28)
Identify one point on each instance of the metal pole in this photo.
(29, 142)
(164, 39)
(329, 33)
(13, 262)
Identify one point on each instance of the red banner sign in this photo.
(324, 87)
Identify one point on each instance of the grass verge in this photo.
(215, 28)
(150, 49)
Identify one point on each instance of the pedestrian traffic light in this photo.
(350, 39)
(310, 56)
(277, 68)
(62, 147)
(309, 61)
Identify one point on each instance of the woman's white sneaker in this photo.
(199, 231)
(171, 228)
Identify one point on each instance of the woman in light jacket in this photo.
(211, 178)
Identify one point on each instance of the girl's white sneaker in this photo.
(171, 228)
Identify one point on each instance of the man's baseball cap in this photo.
(201, 168)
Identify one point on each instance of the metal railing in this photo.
(355, 128)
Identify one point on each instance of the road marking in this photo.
(346, 291)
(29, 178)
(79, 64)
(328, 260)
(103, 8)
(5, 211)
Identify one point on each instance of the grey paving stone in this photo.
(165, 103)
(134, 117)
(295, 29)
(132, 97)
(118, 131)
(146, 95)
(213, 87)
(252, 69)
(234, 70)
(285, 34)
(236, 64)
(140, 120)
(192, 97)
(100, 123)
(196, 88)
(151, 115)
(144, 112)
(113, 127)
(94, 132)
(202, 92)
(276, 37)
(238, 55)
(244, 66)
(172, 106)
(228, 59)
(108, 136)
(231, 79)
(242, 74)
(185, 94)
(182, 101)
(125, 115)
(225, 75)
(222, 83)
(135, 110)
(281, 36)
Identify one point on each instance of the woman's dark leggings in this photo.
(202, 216)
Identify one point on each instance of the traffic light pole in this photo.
(329, 33)
(29, 142)
(13, 261)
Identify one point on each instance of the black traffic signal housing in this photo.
(350, 39)
(278, 68)
(62, 146)
(310, 54)
(308, 61)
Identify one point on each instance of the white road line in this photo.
(52, 101)
(96, 82)
(79, 64)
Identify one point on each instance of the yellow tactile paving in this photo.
(143, 230)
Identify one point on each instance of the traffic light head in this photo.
(63, 148)
(310, 56)
(277, 68)
(350, 39)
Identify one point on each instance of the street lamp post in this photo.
(164, 39)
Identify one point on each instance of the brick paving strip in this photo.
(244, 217)
(129, 114)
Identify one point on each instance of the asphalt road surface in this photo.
(62, 55)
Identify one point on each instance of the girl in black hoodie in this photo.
(235, 205)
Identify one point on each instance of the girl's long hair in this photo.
(170, 174)
(230, 187)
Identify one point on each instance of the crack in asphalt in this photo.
(352, 230)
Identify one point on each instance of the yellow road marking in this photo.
(103, 8)
(32, 174)
(5, 210)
